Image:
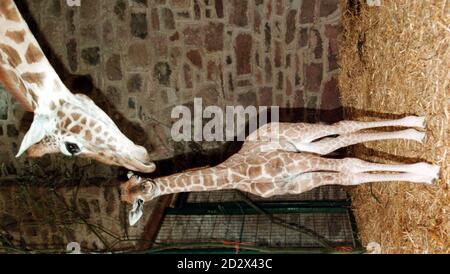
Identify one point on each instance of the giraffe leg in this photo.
(346, 127)
(354, 165)
(306, 133)
(361, 178)
(287, 136)
(328, 145)
(307, 181)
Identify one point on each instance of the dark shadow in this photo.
(354, 7)
(391, 157)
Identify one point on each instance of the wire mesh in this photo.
(321, 193)
(255, 230)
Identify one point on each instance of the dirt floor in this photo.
(395, 61)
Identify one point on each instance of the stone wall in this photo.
(143, 57)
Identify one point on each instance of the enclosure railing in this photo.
(247, 226)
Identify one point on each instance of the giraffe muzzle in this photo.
(146, 167)
(136, 159)
(140, 165)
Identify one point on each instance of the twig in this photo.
(89, 225)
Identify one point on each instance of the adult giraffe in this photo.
(63, 122)
(284, 158)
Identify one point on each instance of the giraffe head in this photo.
(75, 126)
(63, 122)
(136, 191)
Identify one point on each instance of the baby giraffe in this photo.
(284, 158)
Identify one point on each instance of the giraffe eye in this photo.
(72, 148)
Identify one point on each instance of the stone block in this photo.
(239, 13)
(214, 36)
(138, 25)
(114, 68)
(313, 76)
(328, 7)
(243, 50)
(91, 56)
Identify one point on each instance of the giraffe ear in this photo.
(136, 212)
(38, 129)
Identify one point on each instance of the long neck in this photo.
(24, 70)
(207, 179)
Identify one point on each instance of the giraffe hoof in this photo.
(426, 169)
(434, 181)
(429, 180)
(426, 180)
(415, 135)
(415, 121)
(436, 171)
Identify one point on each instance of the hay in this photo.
(395, 60)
